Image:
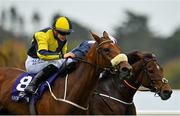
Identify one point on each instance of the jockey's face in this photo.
(61, 37)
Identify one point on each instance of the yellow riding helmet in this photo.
(63, 24)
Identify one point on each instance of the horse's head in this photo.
(110, 53)
(153, 75)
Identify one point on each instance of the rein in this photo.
(64, 99)
(84, 61)
(131, 86)
(113, 98)
(95, 65)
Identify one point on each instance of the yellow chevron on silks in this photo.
(119, 58)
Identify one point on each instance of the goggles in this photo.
(63, 33)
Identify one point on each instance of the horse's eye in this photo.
(106, 49)
(151, 71)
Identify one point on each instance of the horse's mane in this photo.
(149, 56)
(135, 56)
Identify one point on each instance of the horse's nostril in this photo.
(167, 92)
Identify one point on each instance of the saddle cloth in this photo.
(18, 94)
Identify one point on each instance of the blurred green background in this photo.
(133, 34)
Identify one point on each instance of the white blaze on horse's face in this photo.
(113, 39)
(158, 67)
(119, 58)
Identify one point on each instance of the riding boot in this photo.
(42, 76)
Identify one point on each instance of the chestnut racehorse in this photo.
(70, 94)
(115, 96)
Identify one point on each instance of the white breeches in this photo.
(34, 65)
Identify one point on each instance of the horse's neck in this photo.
(114, 88)
(105, 86)
(88, 76)
(138, 72)
(83, 81)
(132, 84)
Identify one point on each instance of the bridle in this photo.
(99, 50)
(151, 81)
(137, 83)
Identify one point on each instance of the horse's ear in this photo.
(96, 37)
(149, 56)
(105, 34)
(136, 54)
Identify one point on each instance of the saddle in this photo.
(18, 94)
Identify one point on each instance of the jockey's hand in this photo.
(69, 55)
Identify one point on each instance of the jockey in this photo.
(49, 47)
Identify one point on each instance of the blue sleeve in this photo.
(81, 50)
(45, 52)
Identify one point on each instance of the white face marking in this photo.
(158, 67)
(153, 55)
(113, 39)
